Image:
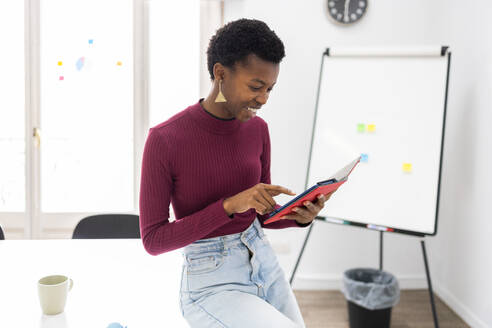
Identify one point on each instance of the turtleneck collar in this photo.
(211, 122)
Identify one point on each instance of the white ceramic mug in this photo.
(53, 292)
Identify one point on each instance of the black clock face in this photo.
(346, 11)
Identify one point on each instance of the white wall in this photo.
(461, 251)
(459, 256)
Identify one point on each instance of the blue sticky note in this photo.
(115, 325)
(80, 63)
(364, 158)
(91, 41)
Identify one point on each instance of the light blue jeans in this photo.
(236, 281)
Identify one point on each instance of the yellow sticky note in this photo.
(371, 127)
(60, 63)
(407, 167)
(119, 63)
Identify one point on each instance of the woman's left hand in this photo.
(305, 214)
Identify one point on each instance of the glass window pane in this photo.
(12, 107)
(87, 105)
(174, 57)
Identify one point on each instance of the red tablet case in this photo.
(312, 197)
(341, 178)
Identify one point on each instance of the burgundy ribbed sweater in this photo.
(194, 161)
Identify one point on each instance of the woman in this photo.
(212, 162)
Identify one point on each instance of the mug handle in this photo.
(71, 285)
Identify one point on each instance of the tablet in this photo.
(322, 187)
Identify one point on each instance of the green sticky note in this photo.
(361, 127)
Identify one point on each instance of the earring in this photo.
(220, 96)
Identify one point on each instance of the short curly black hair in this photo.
(236, 40)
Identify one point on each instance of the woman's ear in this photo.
(219, 71)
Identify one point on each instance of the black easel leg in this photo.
(433, 304)
(300, 254)
(381, 251)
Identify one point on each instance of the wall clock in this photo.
(346, 11)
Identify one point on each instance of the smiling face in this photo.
(247, 85)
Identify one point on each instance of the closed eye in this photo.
(255, 88)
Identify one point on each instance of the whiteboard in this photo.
(388, 104)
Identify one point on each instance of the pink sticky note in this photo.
(61, 78)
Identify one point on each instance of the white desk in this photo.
(114, 281)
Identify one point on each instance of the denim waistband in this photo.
(226, 241)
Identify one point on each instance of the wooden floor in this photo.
(328, 309)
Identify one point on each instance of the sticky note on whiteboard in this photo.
(361, 127)
(371, 127)
(407, 167)
(364, 158)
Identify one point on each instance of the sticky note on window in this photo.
(80, 63)
(361, 127)
(371, 127)
(115, 325)
(364, 158)
(407, 167)
(60, 63)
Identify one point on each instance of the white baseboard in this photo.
(461, 310)
(332, 282)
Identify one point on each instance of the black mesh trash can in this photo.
(370, 294)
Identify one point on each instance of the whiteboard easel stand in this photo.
(444, 51)
(424, 254)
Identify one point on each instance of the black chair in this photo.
(107, 226)
(2, 237)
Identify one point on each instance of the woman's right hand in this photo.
(259, 197)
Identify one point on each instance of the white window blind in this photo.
(86, 105)
(12, 107)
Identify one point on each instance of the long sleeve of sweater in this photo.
(158, 234)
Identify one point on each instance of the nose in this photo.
(262, 99)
